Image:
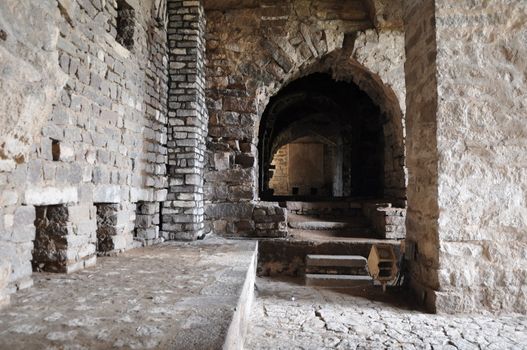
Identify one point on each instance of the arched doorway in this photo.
(321, 139)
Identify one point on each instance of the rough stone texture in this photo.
(188, 121)
(387, 221)
(468, 191)
(253, 51)
(279, 182)
(287, 315)
(5, 271)
(341, 208)
(65, 238)
(422, 213)
(248, 219)
(31, 79)
(129, 302)
(83, 118)
(87, 121)
(114, 228)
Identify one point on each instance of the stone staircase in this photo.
(336, 271)
(328, 244)
(335, 225)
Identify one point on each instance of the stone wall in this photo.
(466, 153)
(254, 51)
(248, 219)
(84, 123)
(421, 102)
(279, 182)
(387, 222)
(482, 168)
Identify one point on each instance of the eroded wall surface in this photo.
(466, 152)
(482, 138)
(83, 114)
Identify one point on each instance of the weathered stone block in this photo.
(50, 195)
(5, 272)
(107, 194)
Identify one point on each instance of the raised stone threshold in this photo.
(172, 296)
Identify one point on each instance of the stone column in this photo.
(182, 215)
(467, 194)
(421, 108)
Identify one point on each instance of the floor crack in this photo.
(321, 318)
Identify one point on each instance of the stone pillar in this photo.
(182, 213)
(421, 101)
(467, 195)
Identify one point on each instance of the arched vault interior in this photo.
(325, 128)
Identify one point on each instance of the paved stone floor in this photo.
(288, 315)
(172, 296)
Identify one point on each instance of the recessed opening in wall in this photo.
(125, 25)
(55, 150)
(50, 243)
(106, 226)
(321, 139)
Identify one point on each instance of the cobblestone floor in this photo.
(288, 315)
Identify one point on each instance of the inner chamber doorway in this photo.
(321, 139)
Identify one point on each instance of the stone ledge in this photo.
(175, 295)
(50, 195)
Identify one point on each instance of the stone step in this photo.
(337, 281)
(336, 260)
(336, 270)
(298, 205)
(328, 225)
(324, 208)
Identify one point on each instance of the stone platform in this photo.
(171, 296)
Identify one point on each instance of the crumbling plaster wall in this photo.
(253, 51)
(66, 81)
(466, 153)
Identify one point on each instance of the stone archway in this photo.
(341, 140)
(248, 63)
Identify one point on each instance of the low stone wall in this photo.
(248, 219)
(324, 208)
(387, 221)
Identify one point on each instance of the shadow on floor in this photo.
(394, 296)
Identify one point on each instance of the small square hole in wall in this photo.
(55, 150)
(295, 190)
(125, 24)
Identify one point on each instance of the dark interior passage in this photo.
(321, 138)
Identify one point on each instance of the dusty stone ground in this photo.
(326, 319)
(173, 296)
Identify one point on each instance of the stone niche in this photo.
(65, 238)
